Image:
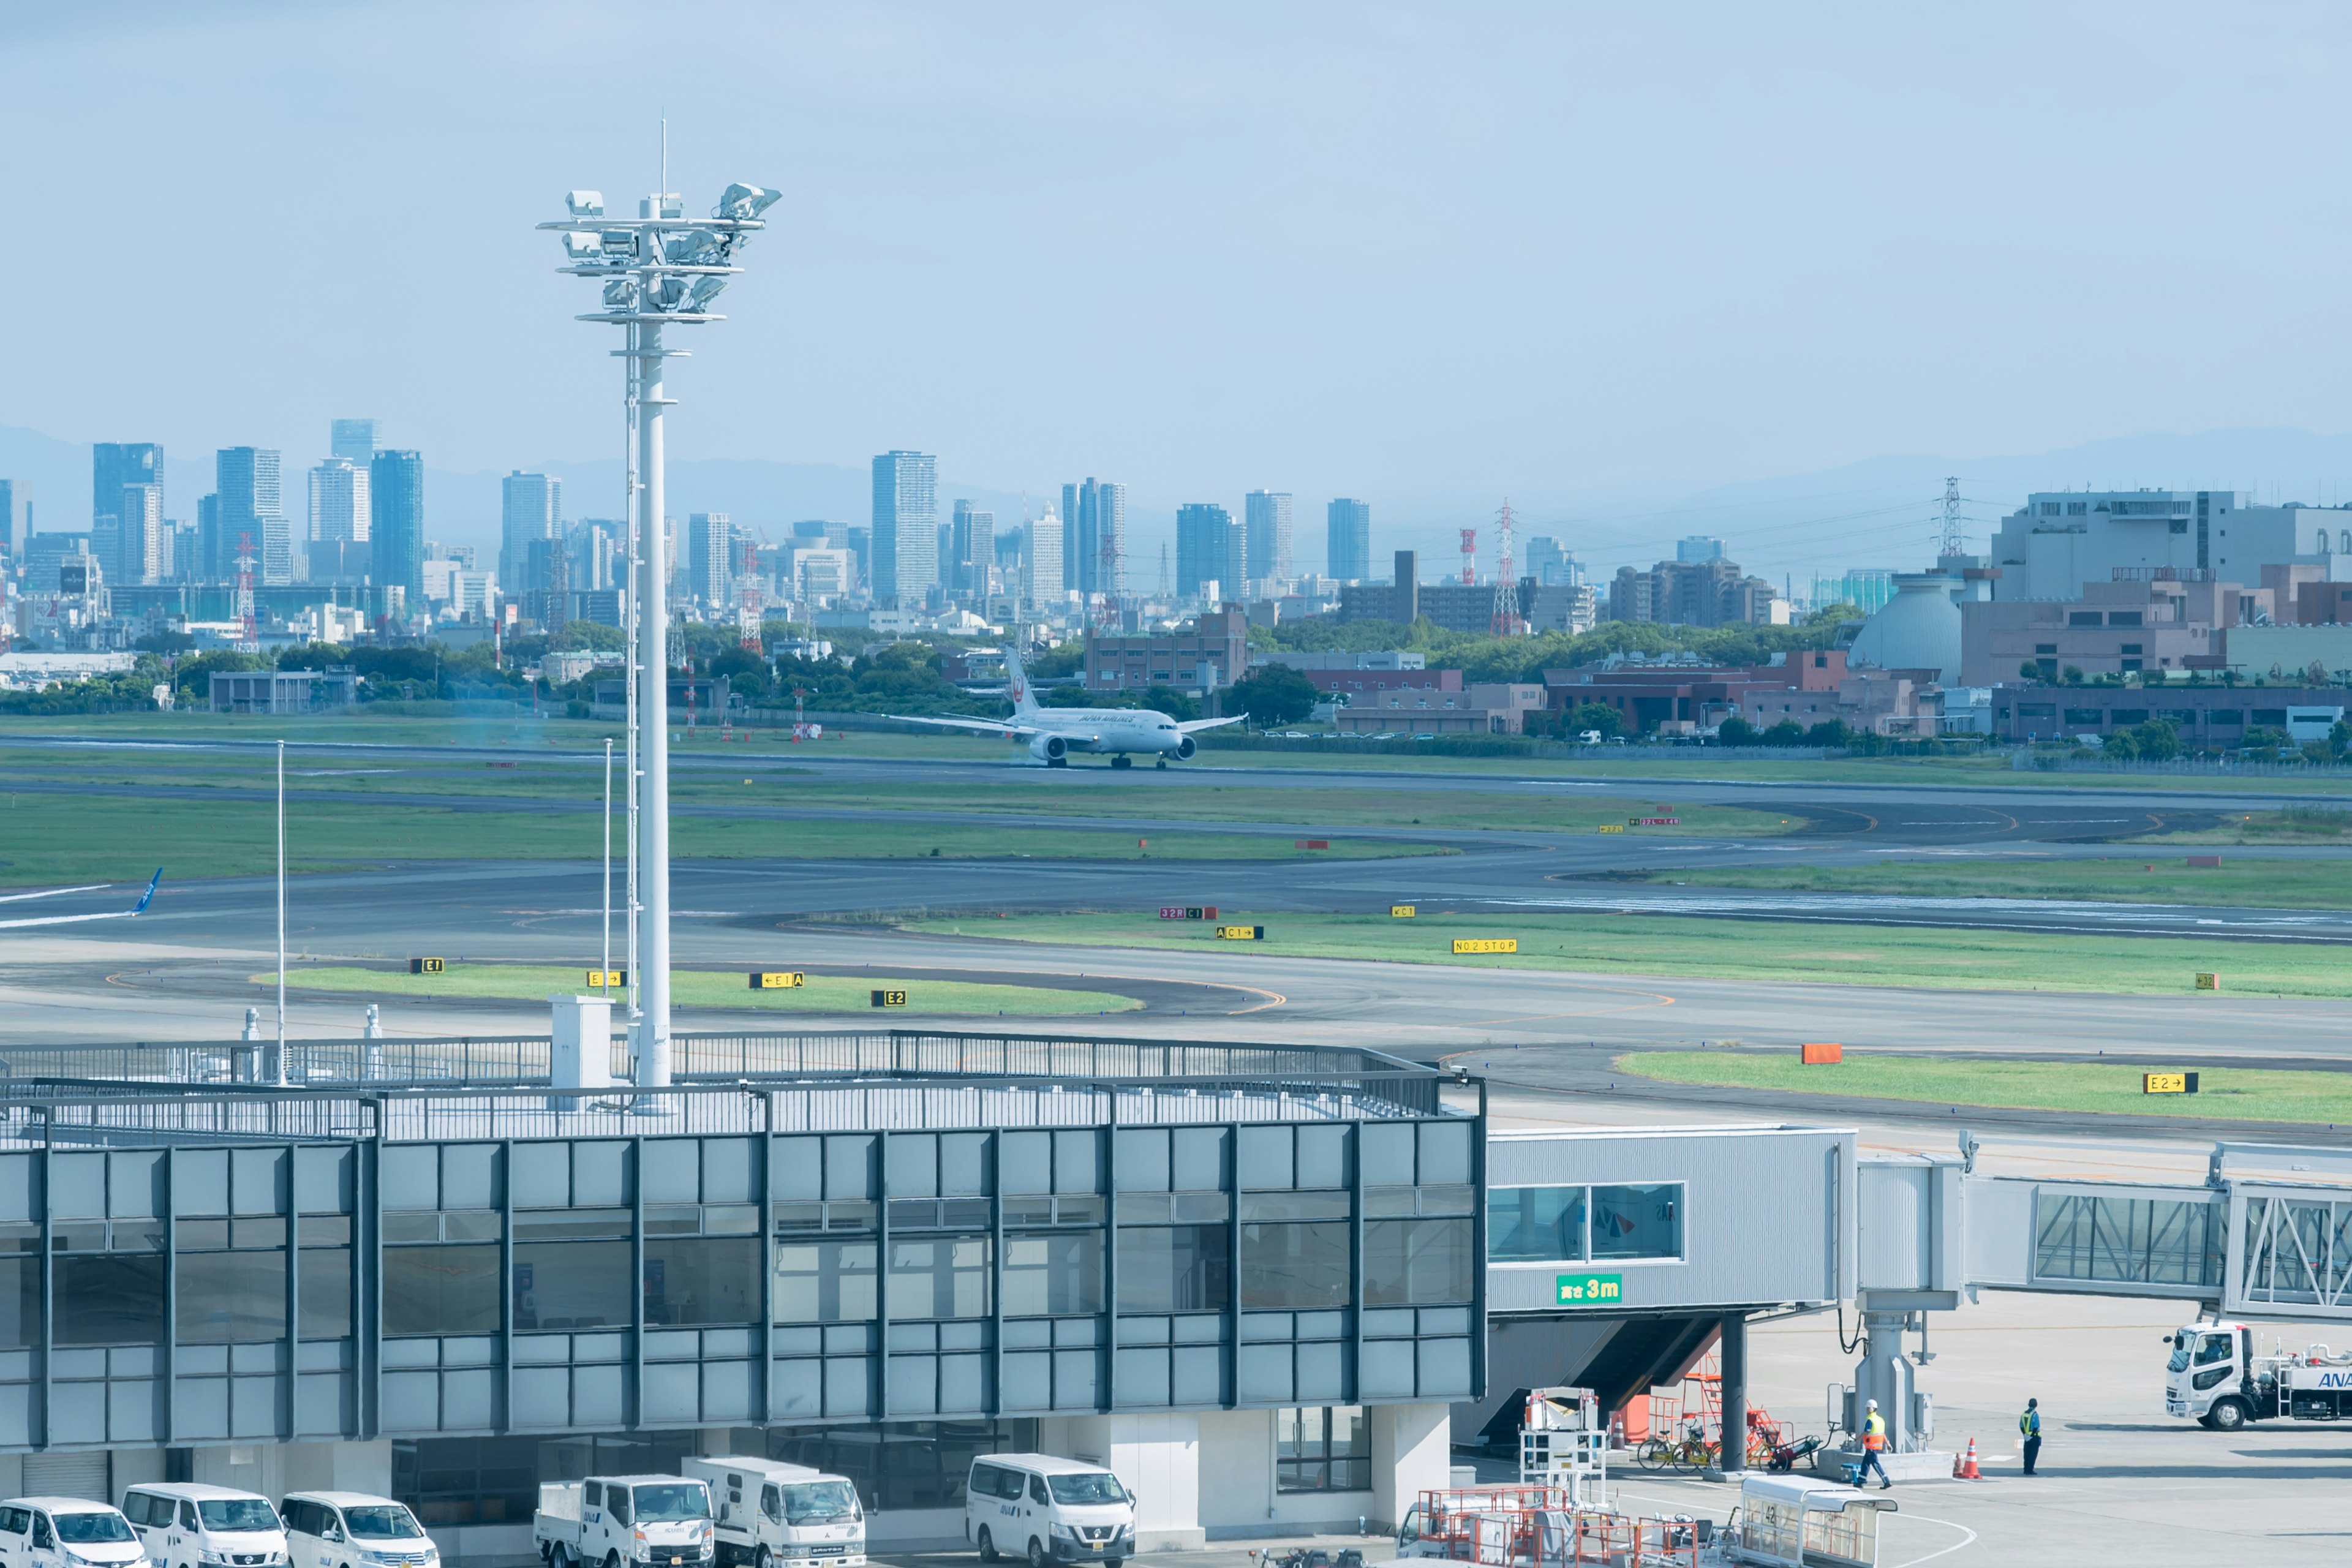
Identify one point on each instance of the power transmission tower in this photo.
(1469, 557)
(1507, 621)
(1954, 540)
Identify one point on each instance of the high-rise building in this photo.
(1071, 551)
(206, 566)
(1265, 526)
(1347, 540)
(1041, 559)
(530, 507)
(1693, 549)
(1545, 558)
(1094, 536)
(354, 440)
(251, 506)
(906, 540)
(8, 518)
(338, 501)
(115, 464)
(972, 546)
(396, 522)
(710, 560)
(1209, 549)
(140, 553)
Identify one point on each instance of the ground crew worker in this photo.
(2030, 1424)
(1873, 1444)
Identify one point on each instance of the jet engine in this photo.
(1054, 751)
(1185, 748)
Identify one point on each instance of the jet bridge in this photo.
(1712, 1227)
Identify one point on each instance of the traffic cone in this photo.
(1968, 1469)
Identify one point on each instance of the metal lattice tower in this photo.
(249, 638)
(1469, 557)
(1507, 621)
(1954, 541)
(747, 597)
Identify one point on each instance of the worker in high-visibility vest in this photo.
(1873, 1444)
(2029, 1426)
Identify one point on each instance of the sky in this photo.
(1594, 258)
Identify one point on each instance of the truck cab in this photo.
(624, 1521)
(2210, 1376)
(771, 1514)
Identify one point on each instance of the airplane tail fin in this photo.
(1024, 701)
(150, 894)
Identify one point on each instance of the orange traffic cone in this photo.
(1968, 1466)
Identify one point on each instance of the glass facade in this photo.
(1322, 1448)
(1574, 1224)
(872, 1290)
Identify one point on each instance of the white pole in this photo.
(606, 980)
(633, 683)
(653, 718)
(280, 1073)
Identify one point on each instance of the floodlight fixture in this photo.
(654, 269)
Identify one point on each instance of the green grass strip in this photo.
(703, 988)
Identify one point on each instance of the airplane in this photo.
(1054, 733)
(138, 909)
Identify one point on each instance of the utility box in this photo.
(581, 1052)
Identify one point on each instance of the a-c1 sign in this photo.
(1590, 1290)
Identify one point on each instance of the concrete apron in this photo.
(1928, 1465)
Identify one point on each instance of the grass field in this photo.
(2145, 879)
(2238, 1094)
(701, 988)
(1633, 765)
(1764, 951)
(53, 838)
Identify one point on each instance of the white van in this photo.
(775, 1515)
(187, 1524)
(63, 1531)
(354, 1530)
(1047, 1510)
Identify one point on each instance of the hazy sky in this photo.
(1411, 253)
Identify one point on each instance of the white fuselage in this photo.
(1114, 731)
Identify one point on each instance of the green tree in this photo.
(1830, 733)
(1787, 733)
(1274, 694)
(1736, 731)
(1597, 716)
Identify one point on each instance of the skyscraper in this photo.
(1094, 530)
(8, 518)
(1695, 548)
(354, 440)
(530, 506)
(397, 523)
(710, 560)
(339, 500)
(905, 538)
(1041, 551)
(973, 547)
(115, 464)
(210, 553)
(252, 505)
(141, 552)
(1071, 551)
(1266, 535)
(1347, 540)
(1208, 550)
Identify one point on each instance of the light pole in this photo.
(656, 268)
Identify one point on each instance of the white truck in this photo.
(771, 1514)
(619, 1521)
(2216, 1376)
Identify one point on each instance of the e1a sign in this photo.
(1590, 1290)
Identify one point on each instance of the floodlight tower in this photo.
(656, 268)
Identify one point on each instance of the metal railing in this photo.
(524, 1059)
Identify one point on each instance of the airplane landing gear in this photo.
(1122, 761)
(1162, 765)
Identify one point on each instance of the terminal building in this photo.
(1274, 1287)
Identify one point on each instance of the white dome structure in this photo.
(1918, 628)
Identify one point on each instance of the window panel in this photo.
(20, 1303)
(231, 1297)
(1182, 1269)
(1418, 1262)
(825, 1282)
(1322, 1448)
(942, 1277)
(1052, 1274)
(109, 1300)
(1295, 1265)
(570, 1284)
(441, 1289)
(706, 1279)
(1535, 1225)
(325, 1291)
(1638, 1221)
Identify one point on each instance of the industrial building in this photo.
(284, 690)
(1209, 651)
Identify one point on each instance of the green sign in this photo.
(1590, 1289)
